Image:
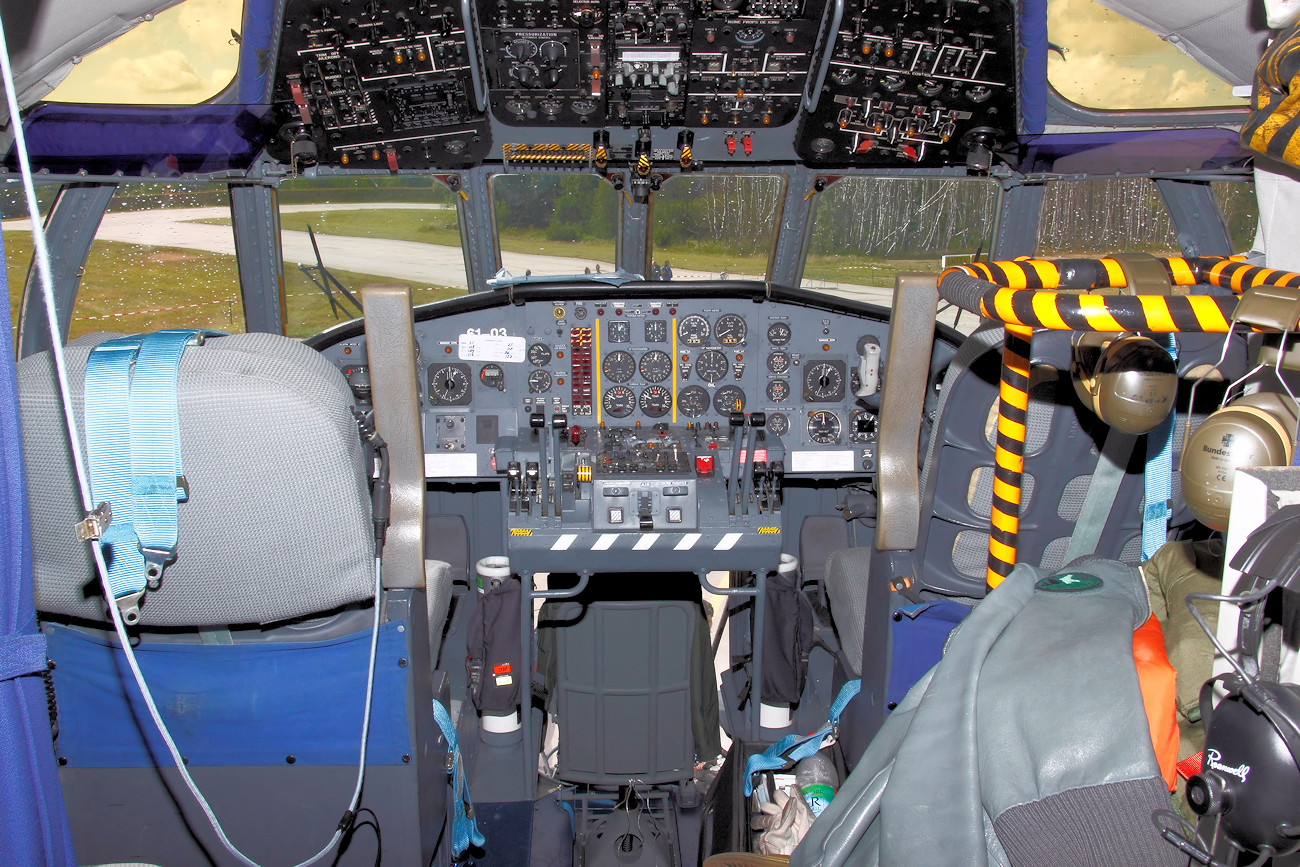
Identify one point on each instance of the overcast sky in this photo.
(183, 56)
(1113, 63)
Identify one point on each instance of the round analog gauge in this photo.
(656, 331)
(448, 384)
(618, 331)
(656, 401)
(778, 424)
(693, 330)
(778, 334)
(492, 376)
(749, 35)
(778, 362)
(539, 354)
(730, 329)
(656, 366)
(711, 366)
(823, 381)
(619, 401)
(824, 427)
(619, 366)
(729, 399)
(693, 401)
(539, 382)
(778, 390)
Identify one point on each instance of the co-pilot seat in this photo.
(257, 641)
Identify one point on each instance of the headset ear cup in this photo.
(1257, 430)
(1130, 382)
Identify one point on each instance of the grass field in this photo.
(132, 288)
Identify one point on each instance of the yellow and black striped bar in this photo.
(1009, 454)
(1227, 273)
(1071, 311)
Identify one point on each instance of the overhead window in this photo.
(1102, 60)
(181, 56)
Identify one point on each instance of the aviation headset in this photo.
(1255, 430)
(1250, 772)
(1129, 381)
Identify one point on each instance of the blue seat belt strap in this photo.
(464, 827)
(792, 748)
(134, 456)
(108, 426)
(157, 474)
(1159, 477)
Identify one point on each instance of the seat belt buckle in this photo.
(155, 560)
(95, 522)
(129, 605)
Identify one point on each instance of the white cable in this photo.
(43, 270)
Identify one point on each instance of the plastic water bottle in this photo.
(817, 780)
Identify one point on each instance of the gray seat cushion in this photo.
(277, 525)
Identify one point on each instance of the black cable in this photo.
(373, 822)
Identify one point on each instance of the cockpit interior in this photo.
(599, 433)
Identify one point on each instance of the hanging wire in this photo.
(44, 272)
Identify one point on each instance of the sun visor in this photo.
(1227, 37)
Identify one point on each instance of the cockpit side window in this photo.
(18, 240)
(555, 224)
(716, 226)
(163, 257)
(1100, 216)
(867, 230)
(1240, 211)
(368, 229)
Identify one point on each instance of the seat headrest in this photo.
(277, 524)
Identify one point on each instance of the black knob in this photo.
(1205, 794)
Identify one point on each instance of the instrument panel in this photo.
(807, 376)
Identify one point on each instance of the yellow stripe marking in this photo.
(1002, 552)
(1047, 272)
(1010, 493)
(1002, 307)
(1014, 396)
(1114, 273)
(1005, 522)
(1157, 314)
(1093, 308)
(1008, 461)
(1207, 313)
(1013, 429)
(1048, 313)
(672, 323)
(596, 396)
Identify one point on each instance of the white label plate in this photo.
(836, 461)
(492, 347)
(450, 464)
